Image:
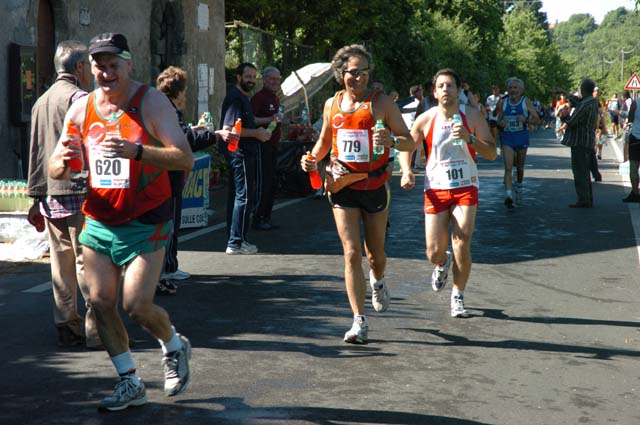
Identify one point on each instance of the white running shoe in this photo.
(126, 393)
(246, 248)
(176, 369)
(380, 298)
(440, 274)
(359, 332)
(518, 193)
(177, 275)
(457, 307)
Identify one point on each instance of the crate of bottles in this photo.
(13, 196)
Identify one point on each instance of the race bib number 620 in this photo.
(108, 173)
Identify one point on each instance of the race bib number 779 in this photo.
(353, 145)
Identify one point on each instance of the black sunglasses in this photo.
(357, 72)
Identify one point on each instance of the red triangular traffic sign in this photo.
(633, 83)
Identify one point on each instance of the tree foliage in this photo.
(486, 41)
(597, 51)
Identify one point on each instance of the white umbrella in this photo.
(302, 84)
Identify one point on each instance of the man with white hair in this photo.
(266, 109)
(60, 202)
(517, 113)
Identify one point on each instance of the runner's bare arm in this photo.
(162, 121)
(533, 115)
(391, 116)
(58, 167)
(484, 144)
(323, 144)
(407, 181)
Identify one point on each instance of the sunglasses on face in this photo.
(357, 72)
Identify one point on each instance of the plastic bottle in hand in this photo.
(272, 126)
(237, 129)
(456, 120)
(209, 121)
(112, 127)
(203, 120)
(76, 164)
(378, 149)
(314, 175)
(112, 130)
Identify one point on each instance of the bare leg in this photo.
(436, 228)
(103, 281)
(507, 157)
(521, 157)
(348, 225)
(463, 223)
(374, 234)
(140, 280)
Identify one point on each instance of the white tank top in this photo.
(448, 166)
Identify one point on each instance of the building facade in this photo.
(185, 33)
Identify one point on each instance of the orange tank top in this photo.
(121, 189)
(353, 142)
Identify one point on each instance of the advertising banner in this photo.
(195, 195)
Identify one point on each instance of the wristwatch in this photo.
(472, 139)
(139, 152)
(395, 142)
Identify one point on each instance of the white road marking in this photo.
(43, 287)
(633, 208)
(223, 225)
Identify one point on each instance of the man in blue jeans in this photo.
(243, 161)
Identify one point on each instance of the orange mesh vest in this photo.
(354, 124)
(148, 186)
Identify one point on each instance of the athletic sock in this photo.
(125, 366)
(455, 292)
(174, 343)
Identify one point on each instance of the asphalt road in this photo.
(552, 338)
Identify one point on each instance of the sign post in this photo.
(633, 83)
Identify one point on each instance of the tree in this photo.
(596, 52)
(530, 55)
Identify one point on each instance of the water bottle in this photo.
(237, 129)
(272, 126)
(112, 131)
(112, 127)
(209, 121)
(314, 175)
(203, 120)
(456, 120)
(76, 164)
(378, 149)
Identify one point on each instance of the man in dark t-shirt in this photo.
(243, 161)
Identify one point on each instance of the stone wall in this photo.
(186, 33)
